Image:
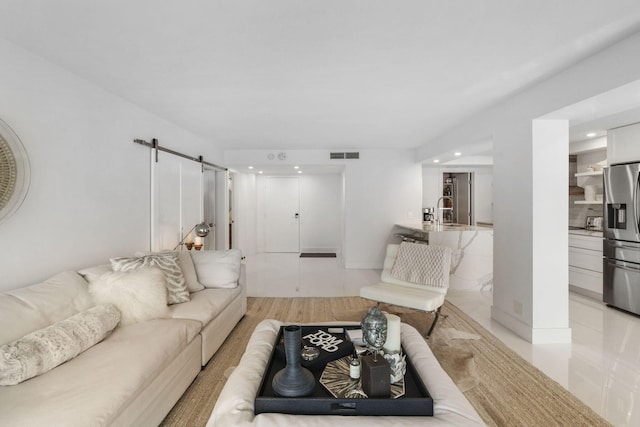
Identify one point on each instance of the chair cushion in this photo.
(405, 296)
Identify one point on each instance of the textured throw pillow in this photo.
(422, 264)
(218, 269)
(44, 349)
(168, 263)
(187, 267)
(139, 295)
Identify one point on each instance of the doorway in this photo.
(282, 214)
(457, 191)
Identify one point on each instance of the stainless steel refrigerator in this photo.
(457, 186)
(621, 244)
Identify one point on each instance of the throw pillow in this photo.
(187, 267)
(44, 349)
(168, 263)
(189, 271)
(139, 295)
(422, 264)
(218, 269)
(91, 274)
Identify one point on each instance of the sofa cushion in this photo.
(27, 309)
(204, 305)
(139, 295)
(168, 263)
(91, 274)
(94, 387)
(218, 269)
(44, 349)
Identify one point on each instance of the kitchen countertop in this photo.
(418, 226)
(585, 232)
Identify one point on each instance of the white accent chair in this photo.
(431, 266)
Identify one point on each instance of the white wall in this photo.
(90, 186)
(523, 196)
(321, 213)
(245, 213)
(482, 183)
(381, 188)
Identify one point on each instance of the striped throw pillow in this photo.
(177, 291)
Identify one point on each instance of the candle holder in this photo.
(189, 245)
(197, 246)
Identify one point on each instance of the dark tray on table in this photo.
(415, 401)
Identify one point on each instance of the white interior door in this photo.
(282, 214)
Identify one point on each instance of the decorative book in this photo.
(331, 346)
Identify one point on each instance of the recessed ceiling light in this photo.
(299, 171)
(436, 161)
(296, 167)
(259, 171)
(591, 134)
(457, 153)
(250, 167)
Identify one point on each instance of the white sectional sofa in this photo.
(135, 375)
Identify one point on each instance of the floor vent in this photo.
(352, 155)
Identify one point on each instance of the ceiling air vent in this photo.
(353, 155)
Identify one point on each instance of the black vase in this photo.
(293, 380)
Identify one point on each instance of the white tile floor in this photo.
(601, 366)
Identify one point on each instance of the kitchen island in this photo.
(471, 246)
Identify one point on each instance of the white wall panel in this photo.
(320, 213)
(89, 198)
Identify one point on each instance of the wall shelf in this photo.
(588, 202)
(592, 173)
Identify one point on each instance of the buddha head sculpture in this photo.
(374, 329)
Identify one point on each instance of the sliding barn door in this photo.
(176, 200)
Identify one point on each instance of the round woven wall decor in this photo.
(15, 172)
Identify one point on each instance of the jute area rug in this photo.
(504, 388)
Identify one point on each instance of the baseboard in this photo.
(319, 250)
(587, 293)
(533, 335)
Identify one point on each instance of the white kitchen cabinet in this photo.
(623, 144)
(585, 263)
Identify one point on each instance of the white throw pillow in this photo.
(218, 269)
(168, 263)
(44, 349)
(420, 264)
(139, 295)
(189, 271)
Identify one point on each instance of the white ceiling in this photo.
(315, 74)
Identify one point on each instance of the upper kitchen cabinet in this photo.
(623, 144)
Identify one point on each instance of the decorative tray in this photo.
(416, 400)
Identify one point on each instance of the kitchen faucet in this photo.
(443, 208)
